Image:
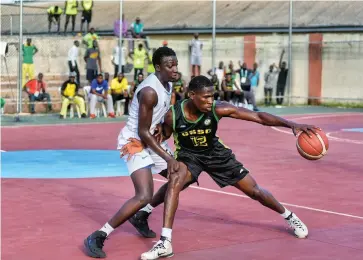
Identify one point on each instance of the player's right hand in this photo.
(173, 166)
(158, 133)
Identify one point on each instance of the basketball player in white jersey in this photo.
(150, 103)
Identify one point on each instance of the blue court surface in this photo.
(357, 130)
(50, 164)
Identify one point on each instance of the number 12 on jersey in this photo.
(199, 140)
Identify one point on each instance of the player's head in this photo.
(165, 64)
(99, 78)
(201, 93)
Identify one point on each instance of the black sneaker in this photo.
(94, 244)
(139, 221)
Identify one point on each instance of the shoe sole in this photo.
(140, 231)
(165, 256)
(89, 252)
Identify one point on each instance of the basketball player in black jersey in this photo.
(194, 123)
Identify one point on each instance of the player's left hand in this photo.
(133, 146)
(158, 133)
(308, 129)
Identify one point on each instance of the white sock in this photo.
(166, 232)
(148, 208)
(286, 213)
(107, 229)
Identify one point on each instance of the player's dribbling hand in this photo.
(308, 129)
(133, 146)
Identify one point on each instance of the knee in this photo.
(256, 193)
(144, 198)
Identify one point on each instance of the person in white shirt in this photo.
(195, 49)
(72, 59)
(116, 59)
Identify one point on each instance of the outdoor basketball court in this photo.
(62, 182)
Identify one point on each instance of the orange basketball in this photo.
(314, 147)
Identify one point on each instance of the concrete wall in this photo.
(340, 57)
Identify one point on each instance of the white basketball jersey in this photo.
(159, 111)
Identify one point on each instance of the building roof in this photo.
(181, 15)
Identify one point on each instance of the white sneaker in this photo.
(300, 229)
(161, 249)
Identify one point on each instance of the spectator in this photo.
(107, 77)
(150, 65)
(71, 11)
(119, 91)
(137, 30)
(33, 88)
(270, 82)
(246, 76)
(116, 59)
(87, 6)
(69, 92)
(138, 55)
(218, 92)
(73, 58)
(231, 95)
(2, 104)
(89, 38)
(165, 43)
(54, 14)
(219, 72)
(29, 50)
(91, 58)
(178, 89)
(281, 80)
(195, 49)
(126, 33)
(99, 92)
(255, 78)
(140, 78)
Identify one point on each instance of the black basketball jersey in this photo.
(197, 136)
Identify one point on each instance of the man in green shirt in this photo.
(28, 64)
(89, 38)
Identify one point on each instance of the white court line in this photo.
(283, 203)
(2, 151)
(328, 134)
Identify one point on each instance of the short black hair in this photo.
(199, 82)
(160, 53)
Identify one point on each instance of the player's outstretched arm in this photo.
(224, 109)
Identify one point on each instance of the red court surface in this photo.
(49, 218)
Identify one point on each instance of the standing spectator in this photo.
(71, 12)
(254, 78)
(119, 91)
(116, 59)
(72, 60)
(29, 51)
(270, 82)
(195, 49)
(137, 30)
(54, 14)
(69, 92)
(99, 92)
(281, 80)
(91, 58)
(90, 37)
(138, 55)
(150, 65)
(33, 88)
(87, 6)
(246, 76)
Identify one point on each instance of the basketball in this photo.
(312, 148)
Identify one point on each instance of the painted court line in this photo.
(283, 203)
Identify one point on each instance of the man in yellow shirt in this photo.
(71, 12)
(139, 55)
(119, 90)
(86, 13)
(69, 93)
(54, 14)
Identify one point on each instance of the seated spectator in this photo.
(119, 91)
(178, 89)
(89, 38)
(33, 88)
(218, 92)
(137, 30)
(91, 57)
(140, 78)
(230, 94)
(220, 72)
(99, 93)
(69, 92)
(125, 27)
(54, 14)
(116, 59)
